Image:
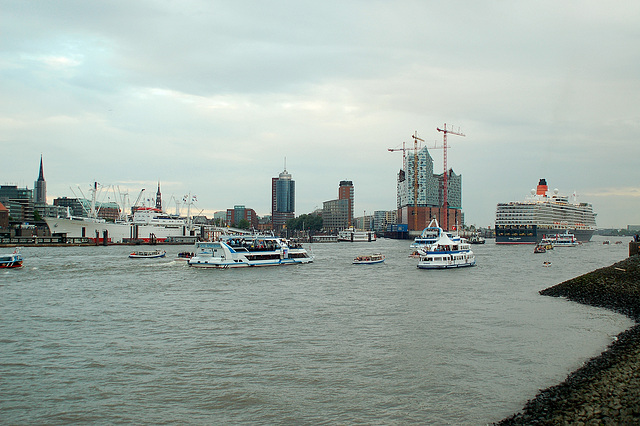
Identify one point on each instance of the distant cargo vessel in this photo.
(528, 221)
(147, 224)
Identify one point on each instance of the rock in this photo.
(607, 388)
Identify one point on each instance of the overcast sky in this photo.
(209, 98)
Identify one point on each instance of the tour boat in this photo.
(12, 260)
(431, 234)
(248, 250)
(560, 240)
(369, 259)
(446, 253)
(140, 254)
(356, 235)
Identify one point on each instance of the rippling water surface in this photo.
(89, 335)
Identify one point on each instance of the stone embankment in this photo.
(606, 390)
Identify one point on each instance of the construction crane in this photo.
(404, 154)
(445, 176)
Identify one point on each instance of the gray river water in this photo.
(91, 336)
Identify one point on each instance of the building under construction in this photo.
(420, 194)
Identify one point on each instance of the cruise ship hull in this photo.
(114, 232)
(533, 235)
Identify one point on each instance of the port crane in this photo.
(445, 175)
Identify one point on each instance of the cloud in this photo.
(210, 97)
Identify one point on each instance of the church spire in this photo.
(40, 187)
(41, 176)
(158, 198)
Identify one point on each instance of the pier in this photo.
(63, 241)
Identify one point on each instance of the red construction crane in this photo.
(445, 176)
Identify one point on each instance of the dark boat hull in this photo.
(531, 234)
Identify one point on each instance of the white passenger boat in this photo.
(141, 254)
(11, 260)
(431, 234)
(248, 250)
(356, 235)
(446, 253)
(369, 259)
(560, 240)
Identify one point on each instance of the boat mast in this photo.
(93, 212)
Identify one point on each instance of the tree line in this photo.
(305, 222)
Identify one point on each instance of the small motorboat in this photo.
(369, 259)
(184, 255)
(139, 254)
(13, 260)
(540, 249)
(546, 264)
(416, 254)
(476, 239)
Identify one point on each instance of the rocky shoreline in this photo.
(606, 390)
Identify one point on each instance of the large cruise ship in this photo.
(528, 221)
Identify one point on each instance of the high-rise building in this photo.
(420, 194)
(40, 187)
(338, 214)
(19, 202)
(345, 192)
(283, 199)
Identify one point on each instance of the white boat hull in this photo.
(445, 265)
(219, 263)
(147, 255)
(368, 262)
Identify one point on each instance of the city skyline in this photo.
(208, 98)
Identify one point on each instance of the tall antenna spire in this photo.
(285, 163)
